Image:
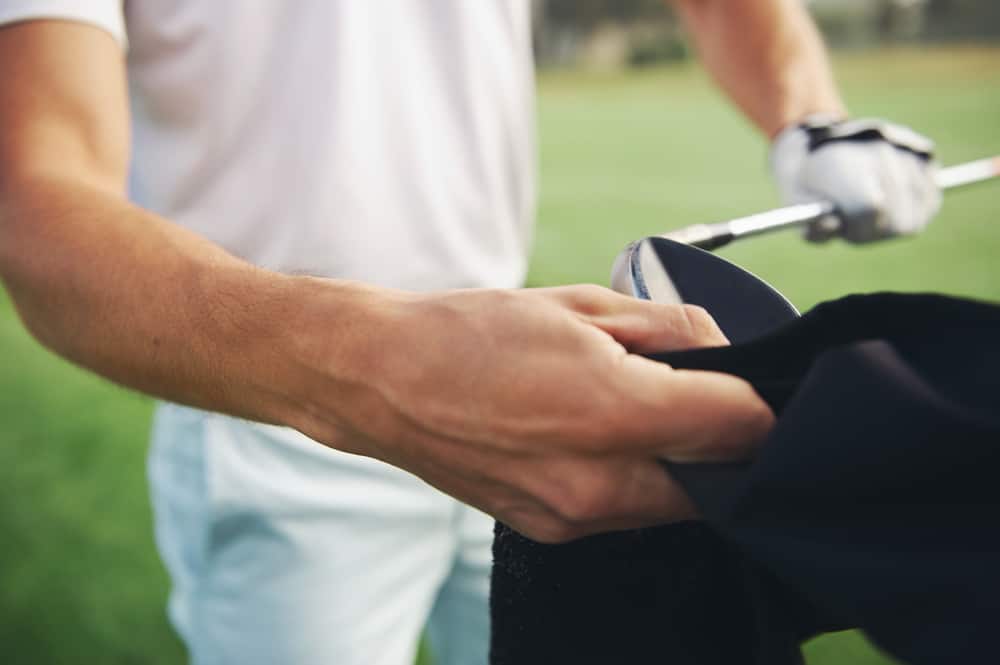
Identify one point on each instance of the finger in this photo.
(689, 415)
(896, 178)
(847, 176)
(644, 327)
(866, 197)
(597, 494)
(925, 192)
(559, 497)
(646, 496)
(515, 499)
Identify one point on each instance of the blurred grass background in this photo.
(623, 155)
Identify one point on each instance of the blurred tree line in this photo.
(963, 20)
(614, 33)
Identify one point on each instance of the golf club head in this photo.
(665, 271)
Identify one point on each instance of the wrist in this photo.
(790, 147)
(811, 119)
(331, 345)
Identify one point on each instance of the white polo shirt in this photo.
(381, 140)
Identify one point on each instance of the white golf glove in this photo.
(880, 177)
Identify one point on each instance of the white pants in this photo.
(283, 552)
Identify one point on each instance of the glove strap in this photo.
(822, 130)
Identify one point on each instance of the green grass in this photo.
(622, 156)
(80, 579)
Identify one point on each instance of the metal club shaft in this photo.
(712, 236)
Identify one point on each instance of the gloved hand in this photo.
(879, 175)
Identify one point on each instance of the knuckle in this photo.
(584, 500)
(697, 315)
(701, 325)
(592, 289)
(541, 526)
(867, 222)
(503, 299)
(761, 420)
(590, 292)
(867, 211)
(554, 532)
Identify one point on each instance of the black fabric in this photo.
(874, 504)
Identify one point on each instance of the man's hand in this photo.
(529, 404)
(880, 177)
(769, 57)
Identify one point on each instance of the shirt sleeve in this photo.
(108, 15)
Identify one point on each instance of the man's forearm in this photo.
(768, 57)
(525, 404)
(153, 306)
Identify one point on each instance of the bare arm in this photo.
(768, 57)
(526, 404)
(100, 281)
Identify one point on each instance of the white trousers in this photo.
(283, 552)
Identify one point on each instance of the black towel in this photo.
(873, 504)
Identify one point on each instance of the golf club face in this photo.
(664, 271)
(637, 272)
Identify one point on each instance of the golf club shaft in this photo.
(712, 236)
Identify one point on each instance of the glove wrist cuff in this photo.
(822, 129)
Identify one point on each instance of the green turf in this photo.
(622, 156)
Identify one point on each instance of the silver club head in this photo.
(637, 272)
(665, 271)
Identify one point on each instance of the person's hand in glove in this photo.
(880, 177)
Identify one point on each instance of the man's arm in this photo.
(526, 404)
(767, 55)
(100, 281)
